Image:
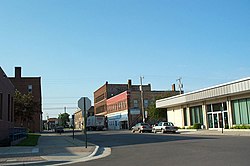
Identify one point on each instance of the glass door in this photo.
(215, 115)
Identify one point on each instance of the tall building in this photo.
(7, 91)
(31, 85)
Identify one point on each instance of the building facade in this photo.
(221, 106)
(6, 107)
(27, 85)
(125, 109)
(105, 92)
(78, 117)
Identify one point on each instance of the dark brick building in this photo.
(29, 85)
(6, 107)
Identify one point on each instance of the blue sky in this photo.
(76, 46)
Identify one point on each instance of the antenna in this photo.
(180, 85)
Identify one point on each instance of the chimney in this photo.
(129, 84)
(173, 87)
(18, 72)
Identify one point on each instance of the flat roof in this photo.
(237, 86)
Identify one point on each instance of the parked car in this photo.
(142, 127)
(59, 129)
(164, 127)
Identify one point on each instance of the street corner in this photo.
(97, 153)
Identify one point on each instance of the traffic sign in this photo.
(84, 103)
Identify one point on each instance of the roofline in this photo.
(204, 89)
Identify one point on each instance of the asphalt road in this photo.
(150, 149)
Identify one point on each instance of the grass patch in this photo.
(31, 140)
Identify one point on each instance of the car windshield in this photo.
(168, 124)
(145, 124)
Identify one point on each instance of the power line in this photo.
(59, 108)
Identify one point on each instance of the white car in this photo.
(164, 127)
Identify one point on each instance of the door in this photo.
(218, 120)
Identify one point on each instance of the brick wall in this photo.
(6, 106)
(23, 84)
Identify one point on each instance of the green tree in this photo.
(155, 114)
(24, 106)
(63, 119)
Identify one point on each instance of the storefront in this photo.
(118, 120)
(221, 106)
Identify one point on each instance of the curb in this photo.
(105, 152)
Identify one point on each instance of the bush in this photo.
(241, 127)
(197, 126)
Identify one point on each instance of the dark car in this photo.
(142, 127)
(59, 129)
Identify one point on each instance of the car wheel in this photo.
(162, 131)
(154, 131)
(133, 131)
(140, 131)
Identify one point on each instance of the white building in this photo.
(221, 106)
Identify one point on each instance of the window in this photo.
(196, 115)
(12, 109)
(185, 116)
(9, 108)
(1, 106)
(241, 111)
(135, 104)
(30, 88)
(146, 103)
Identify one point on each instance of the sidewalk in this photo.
(51, 149)
(227, 132)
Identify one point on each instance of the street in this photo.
(169, 149)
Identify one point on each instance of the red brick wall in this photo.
(21, 84)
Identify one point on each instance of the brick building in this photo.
(7, 91)
(105, 92)
(121, 103)
(29, 85)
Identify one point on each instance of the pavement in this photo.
(52, 149)
(216, 132)
(55, 149)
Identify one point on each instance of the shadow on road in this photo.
(114, 139)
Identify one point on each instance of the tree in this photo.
(155, 114)
(24, 106)
(63, 119)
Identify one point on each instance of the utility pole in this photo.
(142, 100)
(180, 85)
(65, 110)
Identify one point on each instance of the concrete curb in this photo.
(105, 152)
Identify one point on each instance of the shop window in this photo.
(241, 111)
(196, 115)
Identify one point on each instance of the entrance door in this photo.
(218, 120)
